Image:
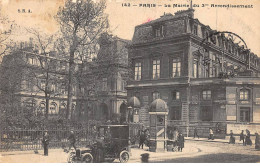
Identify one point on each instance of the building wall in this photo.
(182, 36)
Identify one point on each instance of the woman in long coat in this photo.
(242, 137)
(248, 140)
(180, 142)
(232, 138)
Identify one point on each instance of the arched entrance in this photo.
(123, 113)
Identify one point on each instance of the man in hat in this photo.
(45, 142)
(72, 141)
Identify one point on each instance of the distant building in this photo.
(98, 88)
(206, 80)
(24, 75)
(108, 74)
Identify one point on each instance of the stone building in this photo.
(204, 77)
(99, 81)
(109, 73)
(29, 79)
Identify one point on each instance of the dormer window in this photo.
(207, 36)
(158, 31)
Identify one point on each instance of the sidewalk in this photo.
(156, 156)
(206, 139)
(216, 140)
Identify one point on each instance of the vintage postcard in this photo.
(137, 81)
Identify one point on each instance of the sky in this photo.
(243, 21)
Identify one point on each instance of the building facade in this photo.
(31, 79)
(108, 73)
(206, 79)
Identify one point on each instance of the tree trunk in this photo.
(70, 85)
(46, 106)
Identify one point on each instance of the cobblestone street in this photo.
(194, 151)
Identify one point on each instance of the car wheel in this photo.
(124, 156)
(72, 157)
(87, 158)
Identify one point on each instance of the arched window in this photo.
(62, 108)
(156, 95)
(53, 108)
(42, 107)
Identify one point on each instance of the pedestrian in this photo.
(248, 140)
(147, 137)
(211, 134)
(45, 142)
(257, 141)
(242, 137)
(72, 141)
(180, 142)
(142, 139)
(232, 138)
(175, 137)
(196, 133)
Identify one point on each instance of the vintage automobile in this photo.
(112, 143)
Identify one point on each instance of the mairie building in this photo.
(205, 78)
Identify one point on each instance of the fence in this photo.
(31, 139)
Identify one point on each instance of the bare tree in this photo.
(81, 23)
(47, 76)
(6, 27)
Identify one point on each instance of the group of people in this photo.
(177, 138)
(46, 140)
(211, 134)
(245, 137)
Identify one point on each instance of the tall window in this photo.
(156, 95)
(206, 95)
(43, 84)
(53, 87)
(207, 70)
(175, 113)
(158, 31)
(176, 95)
(104, 84)
(138, 72)
(156, 69)
(195, 68)
(63, 88)
(53, 108)
(244, 114)
(176, 68)
(42, 108)
(206, 113)
(244, 94)
(31, 60)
